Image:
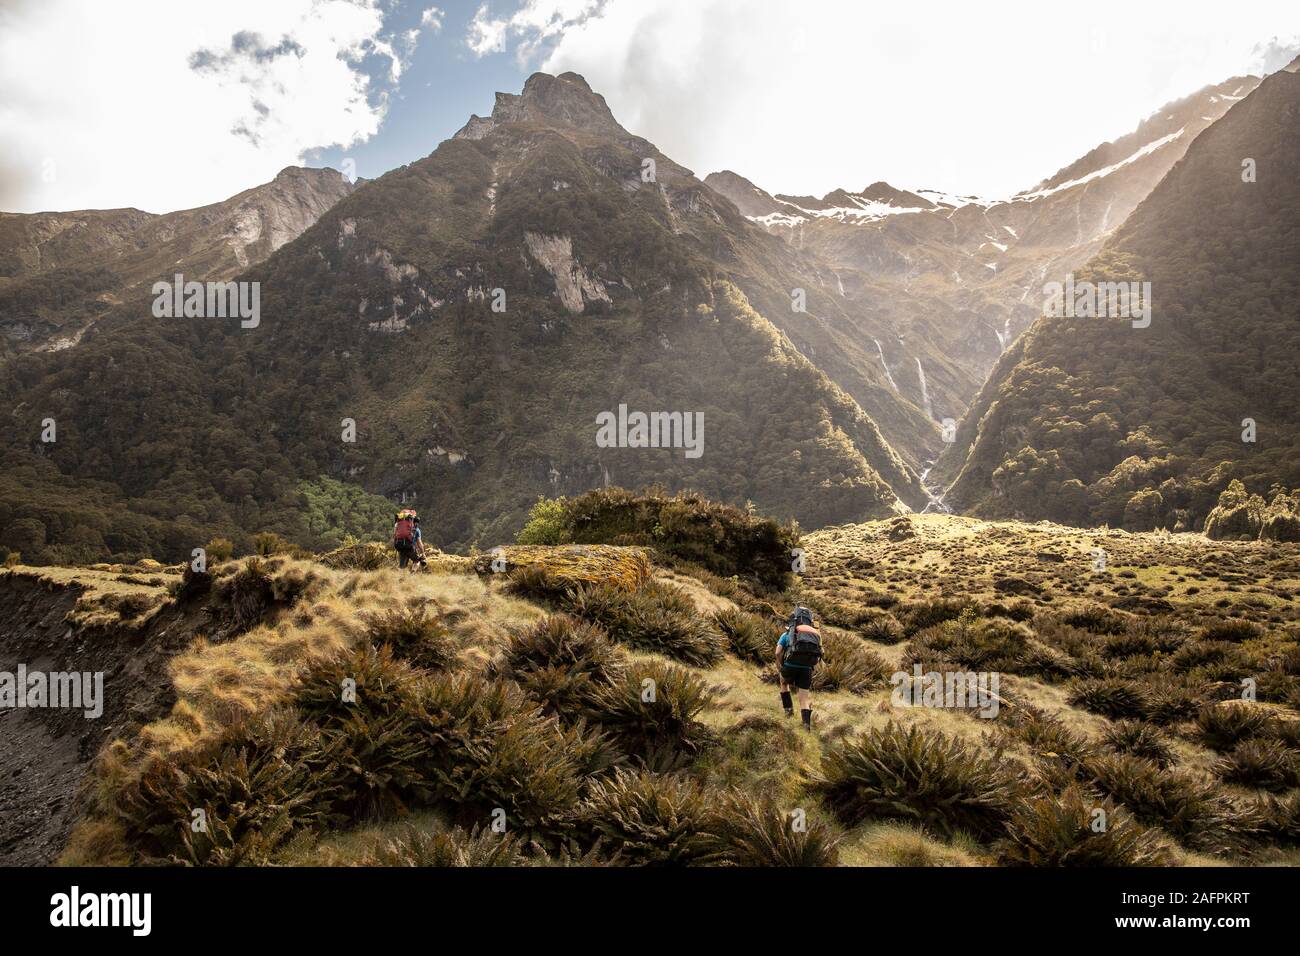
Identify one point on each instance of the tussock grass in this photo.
(922, 776)
(1065, 831)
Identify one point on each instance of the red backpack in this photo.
(404, 534)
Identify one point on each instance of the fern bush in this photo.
(654, 618)
(921, 776)
(415, 636)
(1111, 697)
(365, 704)
(748, 636)
(745, 831)
(1048, 736)
(487, 747)
(1139, 739)
(247, 593)
(848, 665)
(654, 707)
(653, 819)
(1184, 806)
(1264, 764)
(455, 847)
(979, 644)
(1222, 726)
(917, 616)
(561, 662)
(1068, 830)
(882, 628)
(1094, 618)
(1172, 703)
(255, 786)
(1233, 630)
(368, 679)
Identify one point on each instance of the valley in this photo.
(1050, 441)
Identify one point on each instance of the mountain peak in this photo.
(564, 100)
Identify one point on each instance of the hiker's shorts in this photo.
(800, 677)
(404, 556)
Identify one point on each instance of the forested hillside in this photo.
(1092, 420)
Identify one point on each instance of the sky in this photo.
(171, 104)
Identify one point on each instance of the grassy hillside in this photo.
(520, 698)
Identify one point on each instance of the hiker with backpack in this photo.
(797, 652)
(420, 563)
(406, 537)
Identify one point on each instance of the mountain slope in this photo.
(59, 271)
(957, 278)
(1092, 420)
(615, 292)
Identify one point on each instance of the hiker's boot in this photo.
(807, 718)
(787, 703)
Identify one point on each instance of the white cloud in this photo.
(812, 96)
(531, 27)
(432, 19)
(147, 106)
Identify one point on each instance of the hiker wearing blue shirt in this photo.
(797, 653)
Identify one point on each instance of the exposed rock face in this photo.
(564, 100)
(572, 283)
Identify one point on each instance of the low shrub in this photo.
(1111, 697)
(1139, 739)
(415, 636)
(1222, 726)
(1067, 831)
(653, 819)
(744, 831)
(1265, 764)
(654, 706)
(561, 662)
(922, 776)
(687, 526)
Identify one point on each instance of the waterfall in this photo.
(892, 383)
(1005, 335)
(935, 505)
(925, 392)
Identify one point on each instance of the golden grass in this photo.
(575, 564)
(898, 844)
(117, 596)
